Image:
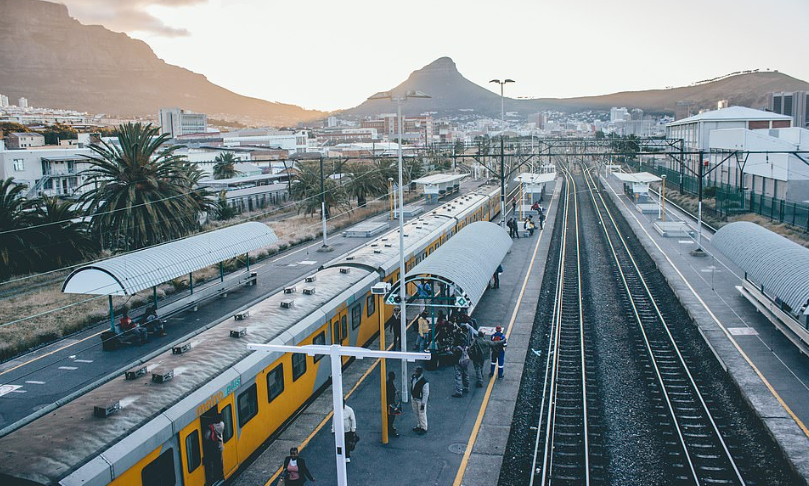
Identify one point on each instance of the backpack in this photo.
(212, 434)
(476, 353)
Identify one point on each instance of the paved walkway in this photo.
(467, 436)
(53, 374)
(771, 372)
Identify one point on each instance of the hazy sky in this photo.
(328, 54)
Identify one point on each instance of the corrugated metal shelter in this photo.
(461, 261)
(769, 260)
(140, 270)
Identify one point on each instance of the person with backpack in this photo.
(481, 348)
(499, 344)
(423, 329)
(460, 352)
(214, 440)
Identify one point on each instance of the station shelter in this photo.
(775, 275)
(140, 270)
(437, 186)
(532, 189)
(454, 277)
(636, 185)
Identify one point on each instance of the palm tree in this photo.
(60, 238)
(14, 237)
(224, 211)
(139, 192)
(366, 179)
(306, 189)
(225, 166)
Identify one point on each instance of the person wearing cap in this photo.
(419, 393)
(498, 352)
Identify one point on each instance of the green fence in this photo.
(729, 201)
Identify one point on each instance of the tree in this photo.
(224, 211)
(139, 192)
(225, 166)
(56, 132)
(60, 238)
(306, 189)
(366, 179)
(14, 237)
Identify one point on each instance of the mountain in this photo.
(55, 61)
(453, 94)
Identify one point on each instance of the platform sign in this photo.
(393, 298)
(460, 301)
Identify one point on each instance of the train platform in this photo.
(770, 371)
(467, 436)
(52, 375)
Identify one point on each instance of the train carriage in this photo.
(156, 436)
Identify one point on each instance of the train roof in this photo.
(56, 444)
(382, 253)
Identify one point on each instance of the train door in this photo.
(191, 449)
(339, 330)
(230, 457)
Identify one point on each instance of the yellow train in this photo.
(155, 437)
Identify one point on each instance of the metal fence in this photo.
(729, 201)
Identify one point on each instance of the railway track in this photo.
(697, 450)
(562, 450)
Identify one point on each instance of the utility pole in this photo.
(325, 246)
(699, 203)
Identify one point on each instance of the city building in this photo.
(3, 101)
(791, 103)
(22, 103)
(418, 128)
(347, 135)
(621, 114)
(53, 171)
(24, 140)
(177, 122)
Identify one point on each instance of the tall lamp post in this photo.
(502, 152)
(388, 95)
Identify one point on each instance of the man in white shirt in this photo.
(419, 392)
(349, 428)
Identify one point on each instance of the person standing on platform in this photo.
(424, 332)
(513, 205)
(395, 324)
(510, 228)
(496, 277)
(498, 352)
(349, 429)
(480, 348)
(516, 226)
(295, 471)
(541, 220)
(394, 406)
(419, 394)
(460, 351)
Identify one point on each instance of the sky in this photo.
(329, 55)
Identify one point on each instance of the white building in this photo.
(24, 140)
(46, 170)
(695, 131)
(619, 114)
(177, 122)
(22, 103)
(3, 101)
(780, 175)
(294, 142)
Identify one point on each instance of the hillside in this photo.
(453, 94)
(57, 62)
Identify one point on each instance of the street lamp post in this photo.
(335, 353)
(502, 152)
(402, 290)
(323, 206)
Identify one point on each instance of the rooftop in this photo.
(731, 113)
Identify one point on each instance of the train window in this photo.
(298, 365)
(159, 472)
(248, 405)
(193, 458)
(275, 382)
(227, 418)
(319, 339)
(344, 325)
(369, 304)
(335, 332)
(356, 316)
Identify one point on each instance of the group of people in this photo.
(149, 323)
(528, 224)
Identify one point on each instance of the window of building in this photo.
(757, 125)
(159, 472)
(227, 418)
(275, 382)
(248, 405)
(298, 365)
(19, 165)
(319, 339)
(193, 457)
(788, 105)
(776, 104)
(356, 316)
(369, 304)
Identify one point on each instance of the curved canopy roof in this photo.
(769, 259)
(142, 269)
(468, 259)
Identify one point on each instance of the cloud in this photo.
(128, 15)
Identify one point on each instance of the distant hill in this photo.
(453, 94)
(57, 62)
